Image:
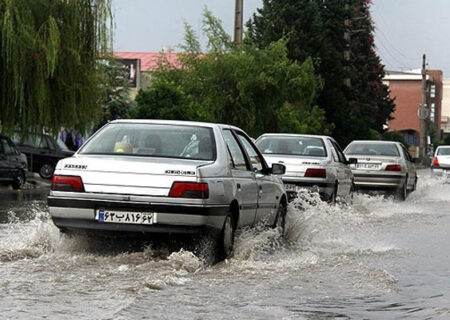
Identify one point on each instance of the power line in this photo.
(390, 43)
(386, 60)
(400, 64)
(392, 46)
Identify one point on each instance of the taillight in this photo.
(316, 173)
(394, 167)
(67, 183)
(436, 162)
(189, 190)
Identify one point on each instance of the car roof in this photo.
(177, 122)
(444, 146)
(294, 135)
(375, 141)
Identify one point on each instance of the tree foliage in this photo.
(49, 75)
(259, 90)
(117, 102)
(316, 29)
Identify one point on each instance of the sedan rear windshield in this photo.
(372, 149)
(154, 140)
(443, 152)
(298, 146)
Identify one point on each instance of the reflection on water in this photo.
(372, 257)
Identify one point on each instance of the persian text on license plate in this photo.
(368, 166)
(113, 216)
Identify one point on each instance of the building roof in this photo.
(415, 74)
(149, 60)
(401, 75)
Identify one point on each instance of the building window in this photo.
(433, 91)
(432, 111)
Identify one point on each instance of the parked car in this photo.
(13, 164)
(383, 165)
(43, 152)
(167, 177)
(310, 161)
(441, 161)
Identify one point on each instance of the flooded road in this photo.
(374, 259)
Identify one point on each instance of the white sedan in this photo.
(441, 161)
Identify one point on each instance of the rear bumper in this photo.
(375, 180)
(325, 187)
(170, 218)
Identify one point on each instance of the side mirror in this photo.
(278, 168)
(352, 161)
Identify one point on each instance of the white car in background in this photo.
(441, 161)
(383, 165)
(311, 161)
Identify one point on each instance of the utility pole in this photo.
(423, 115)
(347, 80)
(238, 21)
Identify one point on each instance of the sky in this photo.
(405, 29)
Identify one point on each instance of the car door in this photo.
(29, 146)
(268, 198)
(244, 179)
(410, 167)
(344, 173)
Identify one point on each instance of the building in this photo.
(445, 122)
(406, 89)
(141, 65)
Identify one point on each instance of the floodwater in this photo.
(375, 258)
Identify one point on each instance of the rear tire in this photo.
(332, 198)
(225, 242)
(280, 220)
(46, 171)
(402, 193)
(415, 185)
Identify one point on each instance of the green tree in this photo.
(259, 90)
(49, 50)
(117, 103)
(369, 95)
(316, 29)
(163, 100)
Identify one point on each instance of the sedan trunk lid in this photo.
(295, 165)
(129, 175)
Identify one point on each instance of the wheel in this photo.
(280, 219)
(226, 238)
(19, 182)
(46, 171)
(332, 198)
(402, 193)
(415, 184)
(353, 187)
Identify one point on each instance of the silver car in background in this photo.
(167, 177)
(383, 165)
(441, 161)
(311, 161)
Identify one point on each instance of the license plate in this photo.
(370, 166)
(113, 216)
(290, 187)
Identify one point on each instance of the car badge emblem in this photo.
(180, 172)
(75, 166)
